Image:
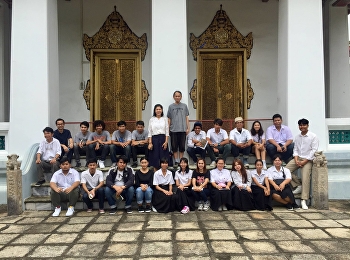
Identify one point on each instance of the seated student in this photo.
(261, 187)
(120, 143)
(143, 185)
(80, 140)
(279, 178)
(65, 138)
(279, 139)
(221, 181)
(218, 142)
(163, 200)
(241, 191)
(120, 183)
(92, 183)
(64, 186)
(47, 156)
(183, 180)
(99, 142)
(200, 182)
(195, 142)
(240, 140)
(139, 142)
(258, 142)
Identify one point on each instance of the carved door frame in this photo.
(243, 91)
(96, 55)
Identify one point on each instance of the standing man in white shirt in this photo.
(240, 140)
(305, 146)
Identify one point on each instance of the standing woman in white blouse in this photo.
(158, 134)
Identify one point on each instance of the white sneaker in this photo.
(114, 164)
(264, 166)
(57, 212)
(224, 208)
(213, 164)
(297, 190)
(303, 204)
(70, 211)
(200, 206)
(220, 208)
(101, 164)
(206, 206)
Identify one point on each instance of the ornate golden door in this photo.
(116, 80)
(221, 85)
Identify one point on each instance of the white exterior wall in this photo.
(339, 63)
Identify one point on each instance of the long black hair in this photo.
(260, 131)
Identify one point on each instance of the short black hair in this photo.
(303, 121)
(123, 158)
(177, 91)
(164, 160)
(154, 109)
(140, 122)
(121, 122)
(218, 121)
(64, 159)
(277, 155)
(85, 123)
(99, 122)
(91, 161)
(276, 116)
(59, 119)
(48, 129)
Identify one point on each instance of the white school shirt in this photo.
(305, 146)
(158, 126)
(65, 181)
(260, 178)
(222, 176)
(258, 139)
(193, 136)
(217, 137)
(240, 137)
(183, 178)
(160, 179)
(49, 150)
(91, 181)
(274, 174)
(237, 179)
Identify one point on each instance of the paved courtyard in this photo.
(280, 234)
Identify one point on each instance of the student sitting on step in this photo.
(139, 142)
(80, 140)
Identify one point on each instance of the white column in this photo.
(169, 51)
(34, 95)
(301, 69)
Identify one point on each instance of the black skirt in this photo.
(287, 191)
(261, 202)
(161, 202)
(157, 152)
(219, 198)
(184, 198)
(242, 199)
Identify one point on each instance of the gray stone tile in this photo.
(43, 228)
(10, 219)
(189, 235)
(159, 224)
(30, 220)
(326, 223)
(221, 235)
(299, 223)
(96, 237)
(66, 228)
(313, 215)
(260, 247)
(287, 215)
(5, 238)
(34, 214)
(60, 219)
(210, 215)
(100, 227)
(281, 234)
(186, 225)
(308, 257)
(272, 224)
(130, 237)
(336, 215)
(63, 238)
(30, 239)
(108, 219)
(312, 233)
(338, 256)
(197, 257)
(237, 216)
(294, 246)
(157, 249)
(88, 250)
(227, 247)
(158, 236)
(130, 226)
(216, 225)
(79, 220)
(244, 225)
(330, 246)
(344, 222)
(14, 251)
(160, 216)
(16, 228)
(48, 251)
(269, 257)
(195, 248)
(339, 232)
(261, 215)
(236, 257)
(251, 234)
(186, 217)
(136, 217)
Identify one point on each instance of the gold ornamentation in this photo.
(250, 93)
(193, 94)
(221, 34)
(115, 34)
(144, 94)
(87, 95)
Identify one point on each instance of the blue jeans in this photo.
(201, 195)
(119, 150)
(99, 194)
(144, 195)
(128, 194)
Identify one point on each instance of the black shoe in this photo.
(128, 210)
(148, 209)
(134, 165)
(295, 206)
(39, 183)
(78, 165)
(113, 211)
(141, 209)
(269, 208)
(289, 206)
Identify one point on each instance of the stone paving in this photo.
(280, 234)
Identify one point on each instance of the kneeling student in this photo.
(92, 184)
(64, 186)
